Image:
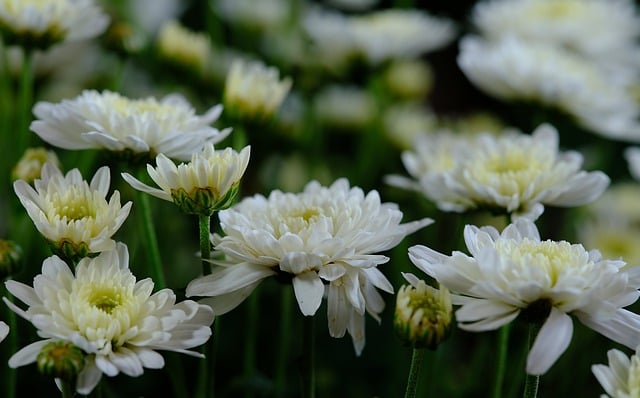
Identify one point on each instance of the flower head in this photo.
(514, 173)
(73, 215)
(42, 23)
(10, 258)
(114, 319)
(30, 164)
(184, 47)
(208, 183)
(61, 360)
(423, 314)
(621, 379)
(324, 240)
(516, 273)
(254, 91)
(110, 121)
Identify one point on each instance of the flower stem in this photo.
(414, 371)
(501, 360)
(67, 389)
(309, 358)
(531, 381)
(151, 241)
(205, 245)
(285, 337)
(9, 382)
(206, 374)
(25, 100)
(250, 342)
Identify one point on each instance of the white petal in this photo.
(552, 340)
(89, 377)
(27, 354)
(226, 302)
(228, 279)
(4, 330)
(623, 327)
(309, 291)
(140, 186)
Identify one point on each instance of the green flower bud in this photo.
(423, 315)
(203, 201)
(10, 258)
(61, 359)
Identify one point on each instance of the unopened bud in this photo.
(61, 360)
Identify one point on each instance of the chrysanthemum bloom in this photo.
(183, 47)
(516, 273)
(512, 173)
(395, 34)
(423, 314)
(409, 79)
(344, 107)
(113, 318)
(42, 23)
(405, 121)
(632, 155)
(208, 183)
(621, 379)
(254, 91)
(30, 164)
(73, 215)
(604, 31)
(4, 330)
(513, 69)
(324, 240)
(144, 127)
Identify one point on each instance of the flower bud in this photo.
(423, 315)
(30, 164)
(203, 201)
(10, 258)
(61, 360)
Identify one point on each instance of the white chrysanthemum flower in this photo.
(396, 33)
(514, 173)
(621, 379)
(404, 122)
(110, 121)
(184, 47)
(30, 164)
(113, 318)
(632, 155)
(73, 215)
(605, 31)
(4, 330)
(344, 107)
(41, 23)
(324, 240)
(516, 273)
(513, 69)
(208, 183)
(254, 91)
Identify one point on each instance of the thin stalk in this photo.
(151, 240)
(67, 389)
(250, 341)
(205, 372)
(285, 338)
(417, 357)
(531, 381)
(309, 358)
(501, 360)
(9, 383)
(204, 223)
(25, 101)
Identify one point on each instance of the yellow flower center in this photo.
(550, 10)
(299, 219)
(106, 299)
(74, 207)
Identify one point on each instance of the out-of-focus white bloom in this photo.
(400, 33)
(71, 214)
(632, 154)
(113, 318)
(325, 240)
(254, 91)
(208, 183)
(514, 173)
(409, 79)
(516, 273)
(30, 164)
(516, 70)
(621, 379)
(110, 121)
(184, 47)
(605, 31)
(4, 330)
(262, 15)
(345, 107)
(42, 23)
(405, 121)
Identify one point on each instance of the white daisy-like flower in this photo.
(514, 173)
(113, 122)
(513, 69)
(516, 273)
(30, 164)
(208, 183)
(344, 106)
(621, 379)
(404, 122)
(254, 90)
(400, 33)
(113, 318)
(184, 47)
(605, 31)
(73, 215)
(42, 23)
(4, 330)
(324, 240)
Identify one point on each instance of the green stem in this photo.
(501, 360)
(250, 342)
(25, 102)
(67, 389)
(414, 371)
(151, 241)
(204, 223)
(531, 381)
(309, 358)
(285, 338)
